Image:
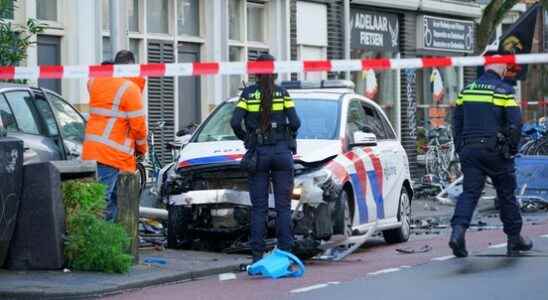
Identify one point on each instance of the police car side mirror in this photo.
(364, 139)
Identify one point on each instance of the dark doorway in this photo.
(189, 87)
(49, 53)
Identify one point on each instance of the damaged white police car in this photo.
(351, 177)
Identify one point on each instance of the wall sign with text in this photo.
(374, 30)
(443, 34)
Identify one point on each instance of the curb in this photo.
(109, 291)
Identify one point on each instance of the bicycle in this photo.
(440, 158)
(150, 163)
(535, 139)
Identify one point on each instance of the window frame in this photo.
(53, 23)
(11, 111)
(171, 31)
(48, 95)
(12, 16)
(347, 134)
(34, 113)
(385, 126)
(198, 21)
(257, 44)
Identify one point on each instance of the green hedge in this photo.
(93, 244)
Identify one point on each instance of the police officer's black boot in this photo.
(457, 242)
(518, 243)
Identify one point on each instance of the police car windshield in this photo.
(319, 121)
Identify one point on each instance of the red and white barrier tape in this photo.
(254, 67)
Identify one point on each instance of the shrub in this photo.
(93, 244)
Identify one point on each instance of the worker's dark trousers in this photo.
(477, 162)
(276, 163)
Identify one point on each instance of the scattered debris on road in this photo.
(411, 250)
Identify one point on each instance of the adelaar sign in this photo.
(442, 34)
(374, 30)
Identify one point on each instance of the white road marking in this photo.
(227, 276)
(443, 258)
(405, 267)
(544, 236)
(384, 271)
(497, 246)
(314, 287)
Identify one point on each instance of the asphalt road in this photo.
(378, 271)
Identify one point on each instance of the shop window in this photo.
(545, 30)
(255, 22)
(105, 15)
(235, 81)
(438, 90)
(379, 86)
(158, 16)
(46, 10)
(134, 46)
(234, 19)
(133, 16)
(188, 17)
(8, 12)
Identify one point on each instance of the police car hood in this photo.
(231, 152)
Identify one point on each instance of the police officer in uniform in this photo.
(486, 130)
(271, 123)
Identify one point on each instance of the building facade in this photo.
(412, 99)
(159, 31)
(238, 30)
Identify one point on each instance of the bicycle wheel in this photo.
(142, 177)
(430, 161)
(539, 148)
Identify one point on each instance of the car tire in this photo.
(177, 226)
(401, 234)
(343, 215)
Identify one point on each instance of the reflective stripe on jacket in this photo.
(116, 130)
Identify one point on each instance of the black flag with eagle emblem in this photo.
(518, 39)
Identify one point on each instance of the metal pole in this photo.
(347, 34)
(115, 30)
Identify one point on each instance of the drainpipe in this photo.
(346, 18)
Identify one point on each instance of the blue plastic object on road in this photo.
(155, 261)
(276, 265)
(532, 177)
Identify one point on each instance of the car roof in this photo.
(316, 94)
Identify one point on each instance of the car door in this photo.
(359, 166)
(27, 125)
(385, 160)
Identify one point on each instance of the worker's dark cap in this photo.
(266, 57)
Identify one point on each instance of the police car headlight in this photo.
(318, 178)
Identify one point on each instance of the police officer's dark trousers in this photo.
(274, 162)
(478, 160)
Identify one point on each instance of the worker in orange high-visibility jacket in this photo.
(116, 130)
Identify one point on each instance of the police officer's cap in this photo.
(266, 57)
